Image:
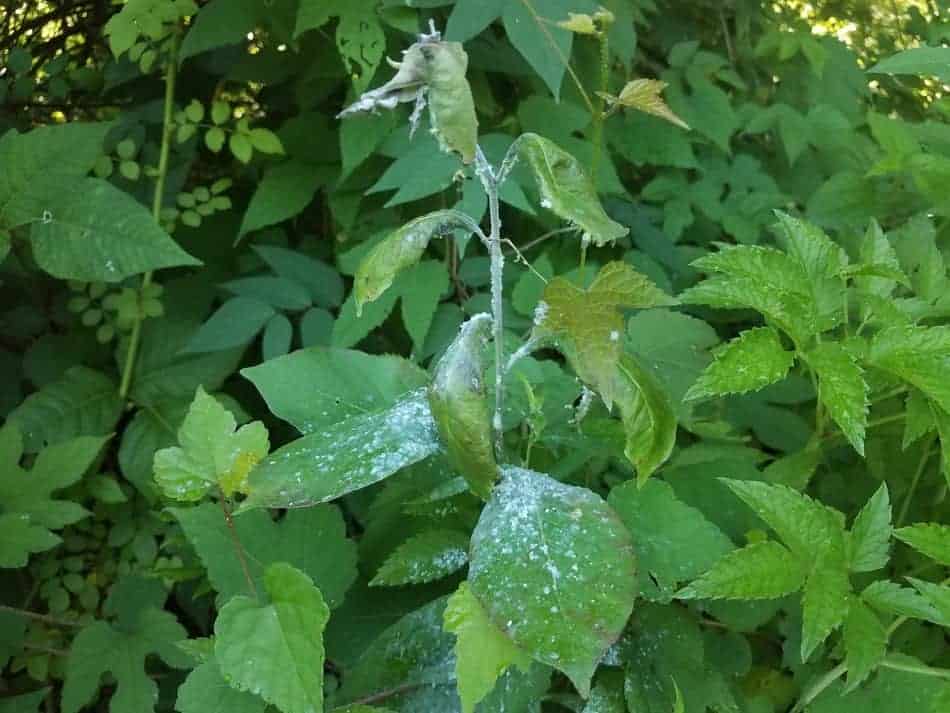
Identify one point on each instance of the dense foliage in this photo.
(661, 423)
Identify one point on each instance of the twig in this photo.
(238, 548)
(45, 618)
(819, 686)
(921, 466)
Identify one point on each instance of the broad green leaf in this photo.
(587, 325)
(562, 597)
(43, 166)
(648, 418)
(285, 190)
(206, 691)
(751, 361)
(532, 29)
(22, 538)
(825, 598)
(482, 651)
(402, 249)
(460, 407)
(150, 430)
(322, 281)
(891, 598)
(918, 419)
(566, 189)
(103, 648)
(83, 402)
(279, 292)
(331, 565)
(316, 387)
(350, 455)
(276, 649)
(842, 389)
(928, 538)
(674, 542)
(933, 61)
(865, 642)
(762, 570)
(277, 337)
(763, 279)
(234, 324)
(869, 544)
(98, 233)
(469, 17)
(213, 452)
(430, 555)
(421, 288)
(220, 23)
(918, 355)
(888, 692)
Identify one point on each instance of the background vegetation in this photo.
(182, 216)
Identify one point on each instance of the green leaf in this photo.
(206, 691)
(918, 355)
(331, 566)
(241, 147)
(762, 570)
(842, 389)
(674, 542)
(276, 649)
(918, 419)
(285, 191)
(322, 281)
(587, 325)
(402, 249)
(24, 703)
(96, 232)
(279, 292)
(101, 647)
(562, 597)
(888, 692)
(763, 279)
(865, 642)
(317, 387)
(234, 324)
(266, 141)
(220, 23)
(482, 651)
(451, 107)
(648, 418)
(21, 538)
(353, 454)
(421, 288)
(426, 557)
(566, 189)
(83, 402)
(869, 544)
(213, 452)
(532, 29)
(891, 598)
(929, 538)
(825, 599)
(937, 595)
(460, 407)
(933, 61)
(751, 361)
(278, 335)
(43, 166)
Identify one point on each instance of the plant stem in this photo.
(819, 686)
(45, 618)
(915, 668)
(921, 466)
(238, 548)
(135, 337)
(599, 114)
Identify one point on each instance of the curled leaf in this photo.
(459, 407)
(402, 249)
(566, 189)
(644, 95)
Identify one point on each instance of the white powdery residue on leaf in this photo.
(540, 313)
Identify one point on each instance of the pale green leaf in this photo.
(352, 454)
(929, 538)
(648, 419)
(451, 107)
(482, 651)
(402, 249)
(751, 361)
(95, 232)
(566, 189)
(276, 649)
(212, 452)
(869, 544)
(865, 642)
(426, 557)
(457, 397)
(762, 570)
(842, 389)
(933, 61)
(206, 691)
(266, 141)
(562, 597)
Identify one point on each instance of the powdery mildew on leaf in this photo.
(555, 569)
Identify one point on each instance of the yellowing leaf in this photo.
(587, 325)
(460, 409)
(482, 650)
(211, 452)
(645, 95)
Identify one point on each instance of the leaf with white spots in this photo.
(428, 556)
(751, 361)
(350, 455)
(554, 568)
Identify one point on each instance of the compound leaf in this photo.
(762, 570)
(751, 361)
